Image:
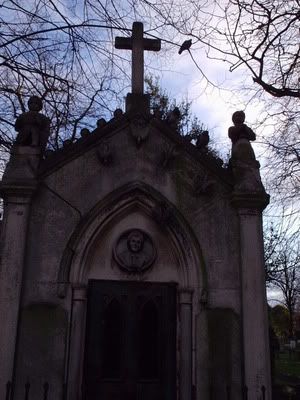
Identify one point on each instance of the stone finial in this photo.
(118, 113)
(173, 118)
(101, 123)
(33, 127)
(202, 140)
(67, 143)
(84, 132)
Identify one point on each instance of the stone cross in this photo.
(137, 43)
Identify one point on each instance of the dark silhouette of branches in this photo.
(62, 52)
(259, 38)
(282, 260)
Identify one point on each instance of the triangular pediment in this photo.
(143, 133)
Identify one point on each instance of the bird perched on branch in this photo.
(185, 46)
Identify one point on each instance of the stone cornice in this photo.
(19, 191)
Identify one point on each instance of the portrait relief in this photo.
(134, 251)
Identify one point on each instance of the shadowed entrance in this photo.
(130, 341)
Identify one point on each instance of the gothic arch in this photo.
(190, 271)
(119, 202)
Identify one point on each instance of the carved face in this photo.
(135, 242)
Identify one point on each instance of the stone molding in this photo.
(129, 197)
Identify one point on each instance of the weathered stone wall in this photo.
(85, 197)
(70, 190)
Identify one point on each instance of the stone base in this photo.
(138, 103)
(22, 165)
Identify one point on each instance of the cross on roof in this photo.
(137, 43)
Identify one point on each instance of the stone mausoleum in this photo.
(132, 261)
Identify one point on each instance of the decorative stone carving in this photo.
(169, 152)
(33, 127)
(139, 129)
(244, 166)
(134, 251)
(104, 153)
(203, 184)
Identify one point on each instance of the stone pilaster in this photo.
(254, 303)
(185, 303)
(76, 349)
(16, 188)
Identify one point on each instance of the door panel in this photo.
(130, 341)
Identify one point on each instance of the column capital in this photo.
(254, 201)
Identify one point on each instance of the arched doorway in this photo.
(178, 270)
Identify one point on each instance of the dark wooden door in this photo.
(130, 341)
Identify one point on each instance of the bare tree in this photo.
(282, 260)
(61, 51)
(260, 38)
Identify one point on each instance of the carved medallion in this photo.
(134, 251)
